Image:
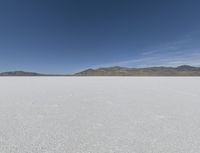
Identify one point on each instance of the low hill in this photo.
(20, 73)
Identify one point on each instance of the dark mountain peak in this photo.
(186, 67)
(89, 70)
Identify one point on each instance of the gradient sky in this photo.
(65, 36)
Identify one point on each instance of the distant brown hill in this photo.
(20, 73)
(184, 70)
(24, 73)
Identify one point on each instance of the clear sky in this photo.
(65, 36)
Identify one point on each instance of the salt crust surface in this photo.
(99, 115)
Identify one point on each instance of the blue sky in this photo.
(65, 36)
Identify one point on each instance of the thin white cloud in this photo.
(181, 52)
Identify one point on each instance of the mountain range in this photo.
(183, 70)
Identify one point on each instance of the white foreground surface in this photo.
(99, 115)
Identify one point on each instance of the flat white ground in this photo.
(99, 115)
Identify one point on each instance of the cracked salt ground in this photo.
(99, 115)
